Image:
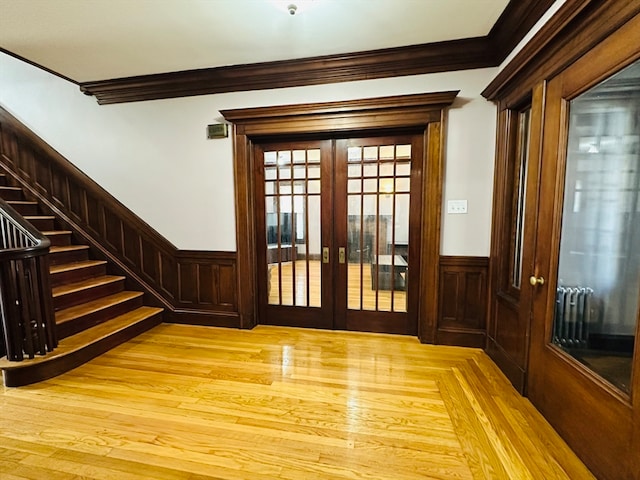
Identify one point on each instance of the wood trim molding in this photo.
(189, 284)
(350, 115)
(514, 23)
(461, 261)
(488, 51)
(576, 27)
(424, 111)
(401, 61)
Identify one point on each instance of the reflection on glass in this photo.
(315, 250)
(292, 206)
(599, 265)
(519, 192)
(378, 227)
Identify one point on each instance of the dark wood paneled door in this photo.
(514, 234)
(339, 232)
(584, 372)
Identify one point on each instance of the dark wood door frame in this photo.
(574, 385)
(422, 111)
(509, 307)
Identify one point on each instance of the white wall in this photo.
(154, 156)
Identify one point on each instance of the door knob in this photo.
(533, 280)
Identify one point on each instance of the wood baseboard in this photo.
(209, 319)
(462, 337)
(516, 375)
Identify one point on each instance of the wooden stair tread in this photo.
(39, 217)
(67, 248)
(74, 343)
(6, 187)
(21, 202)
(48, 233)
(67, 267)
(84, 284)
(102, 303)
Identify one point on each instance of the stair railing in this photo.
(26, 306)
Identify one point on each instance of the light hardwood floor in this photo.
(360, 294)
(187, 402)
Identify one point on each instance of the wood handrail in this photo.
(26, 306)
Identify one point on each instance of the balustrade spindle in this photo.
(26, 311)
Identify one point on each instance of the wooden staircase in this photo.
(93, 310)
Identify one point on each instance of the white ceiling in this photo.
(89, 40)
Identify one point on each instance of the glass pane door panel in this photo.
(599, 265)
(518, 198)
(292, 208)
(378, 179)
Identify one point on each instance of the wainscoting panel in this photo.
(207, 279)
(192, 285)
(462, 301)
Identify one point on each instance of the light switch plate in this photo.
(457, 206)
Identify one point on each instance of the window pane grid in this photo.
(377, 177)
(292, 191)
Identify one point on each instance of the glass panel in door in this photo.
(378, 189)
(293, 226)
(518, 199)
(599, 264)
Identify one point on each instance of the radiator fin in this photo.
(573, 316)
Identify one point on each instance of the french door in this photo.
(583, 371)
(335, 217)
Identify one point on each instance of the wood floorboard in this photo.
(360, 292)
(275, 403)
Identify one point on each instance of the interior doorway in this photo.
(586, 281)
(334, 246)
(421, 114)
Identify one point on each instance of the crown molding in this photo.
(463, 54)
(575, 28)
(412, 60)
(517, 19)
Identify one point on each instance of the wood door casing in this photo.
(576, 29)
(423, 112)
(606, 435)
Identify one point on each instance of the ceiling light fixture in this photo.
(293, 7)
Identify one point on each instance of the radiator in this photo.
(573, 315)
